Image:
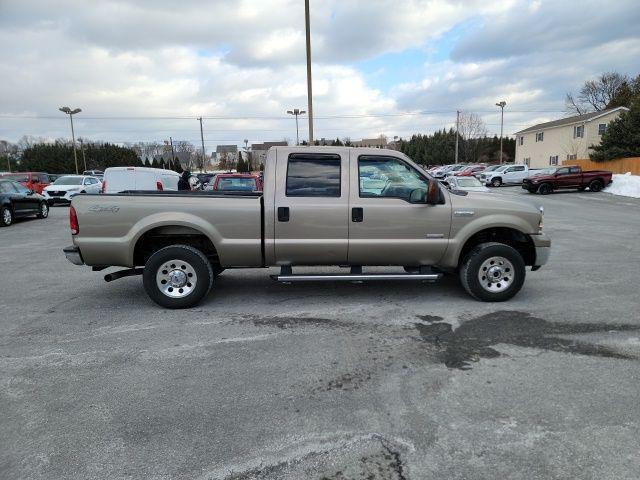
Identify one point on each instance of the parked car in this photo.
(548, 180)
(17, 201)
(488, 169)
(243, 182)
(205, 178)
(505, 175)
(35, 181)
(448, 169)
(470, 171)
(94, 173)
(68, 186)
(467, 184)
(120, 179)
(314, 211)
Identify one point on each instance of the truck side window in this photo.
(381, 176)
(313, 175)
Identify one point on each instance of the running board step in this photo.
(351, 277)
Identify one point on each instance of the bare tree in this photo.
(596, 94)
(470, 128)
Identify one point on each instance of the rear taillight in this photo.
(159, 186)
(104, 186)
(73, 221)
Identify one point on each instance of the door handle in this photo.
(357, 214)
(283, 214)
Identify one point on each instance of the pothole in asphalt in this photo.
(474, 338)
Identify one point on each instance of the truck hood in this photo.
(498, 205)
(540, 178)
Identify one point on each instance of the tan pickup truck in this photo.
(346, 207)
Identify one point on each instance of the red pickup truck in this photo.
(549, 179)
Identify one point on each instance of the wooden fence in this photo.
(620, 165)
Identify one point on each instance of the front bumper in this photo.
(542, 244)
(73, 255)
(53, 199)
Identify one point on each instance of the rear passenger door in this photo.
(515, 174)
(311, 208)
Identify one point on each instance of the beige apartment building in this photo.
(569, 138)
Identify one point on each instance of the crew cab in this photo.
(550, 179)
(320, 206)
(505, 175)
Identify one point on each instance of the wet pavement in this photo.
(327, 381)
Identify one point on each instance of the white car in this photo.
(64, 188)
(505, 175)
(120, 179)
(468, 184)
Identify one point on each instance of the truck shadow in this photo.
(474, 338)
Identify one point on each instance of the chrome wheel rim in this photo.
(496, 274)
(44, 210)
(6, 216)
(176, 278)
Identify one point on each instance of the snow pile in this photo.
(626, 185)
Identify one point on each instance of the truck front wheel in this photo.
(492, 272)
(177, 276)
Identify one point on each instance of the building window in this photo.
(578, 131)
(572, 156)
(521, 140)
(602, 127)
(553, 160)
(539, 136)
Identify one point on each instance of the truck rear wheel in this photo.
(595, 186)
(177, 276)
(492, 272)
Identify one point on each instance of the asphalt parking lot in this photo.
(337, 381)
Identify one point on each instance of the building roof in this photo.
(268, 145)
(587, 117)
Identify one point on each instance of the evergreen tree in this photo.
(622, 137)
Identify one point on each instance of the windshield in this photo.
(68, 180)
(237, 183)
(469, 182)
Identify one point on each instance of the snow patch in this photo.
(626, 185)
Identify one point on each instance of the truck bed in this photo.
(110, 225)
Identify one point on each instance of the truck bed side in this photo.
(113, 227)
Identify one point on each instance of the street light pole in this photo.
(501, 104)
(309, 89)
(71, 113)
(296, 112)
(202, 140)
(173, 155)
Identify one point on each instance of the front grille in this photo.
(57, 194)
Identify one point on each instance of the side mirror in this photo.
(433, 194)
(418, 195)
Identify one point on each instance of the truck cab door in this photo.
(385, 228)
(311, 208)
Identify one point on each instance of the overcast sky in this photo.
(380, 61)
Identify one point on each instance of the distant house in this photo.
(569, 138)
(230, 152)
(259, 151)
(380, 142)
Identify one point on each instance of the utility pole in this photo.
(309, 89)
(173, 155)
(246, 151)
(501, 104)
(202, 140)
(84, 160)
(296, 112)
(457, 134)
(71, 113)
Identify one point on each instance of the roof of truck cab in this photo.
(143, 169)
(337, 149)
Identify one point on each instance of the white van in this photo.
(119, 179)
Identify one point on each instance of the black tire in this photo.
(545, 189)
(496, 182)
(473, 263)
(6, 216)
(595, 185)
(43, 210)
(183, 253)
